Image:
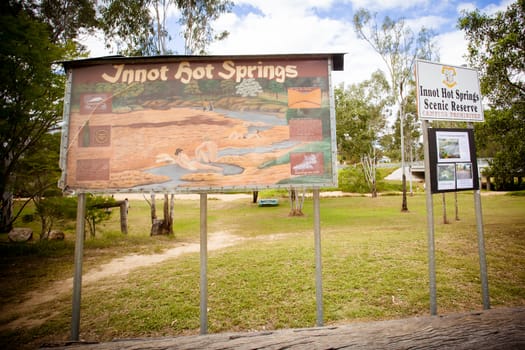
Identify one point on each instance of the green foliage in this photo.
(98, 209)
(66, 18)
(31, 95)
(38, 171)
(38, 249)
(139, 28)
(496, 50)
(129, 26)
(359, 117)
(51, 210)
(517, 193)
(352, 179)
(197, 17)
(500, 138)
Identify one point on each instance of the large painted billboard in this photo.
(199, 123)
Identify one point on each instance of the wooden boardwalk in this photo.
(500, 328)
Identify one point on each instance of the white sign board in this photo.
(448, 92)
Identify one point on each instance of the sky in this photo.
(325, 26)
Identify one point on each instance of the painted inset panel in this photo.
(307, 163)
(92, 170)
(305, 129)
(304, 97)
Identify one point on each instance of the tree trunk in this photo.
(456, 205)
(6, 213)
(162, 226)
(445, 221)
(369, 168)
(296, 203)
(153, 209)
(124, 216)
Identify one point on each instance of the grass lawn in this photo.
(374, 267)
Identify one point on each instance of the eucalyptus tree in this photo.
(360, 121)
(496, 48)
(142, 27)
(399, 47)
(68, 19)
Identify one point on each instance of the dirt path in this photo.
(115, 268)
(24, 315)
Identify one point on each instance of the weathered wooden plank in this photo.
(502, 328)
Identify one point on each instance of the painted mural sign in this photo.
(448, 93)
(198, 123)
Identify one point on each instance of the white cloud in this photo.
(487, 8)
(429, 22)
(301, 34)
(292, 26)
(286, 8)
(465, 6)
(452, 48)
(492, 8)
(95, 44)
(255, 34)
(382, 5)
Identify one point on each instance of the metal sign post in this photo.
(481, 248)
(77, 280)
(204, 263)
(318, 264)
(430, 223)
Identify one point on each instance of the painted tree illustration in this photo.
(276, 88)
(227, 87)
(192, 88)
(248, 88)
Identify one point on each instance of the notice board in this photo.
(453, 162)
(199, 123)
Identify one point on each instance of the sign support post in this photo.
(77, 280)
(481, 247)
(430, 223)
(318, 263)
(204, 264)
